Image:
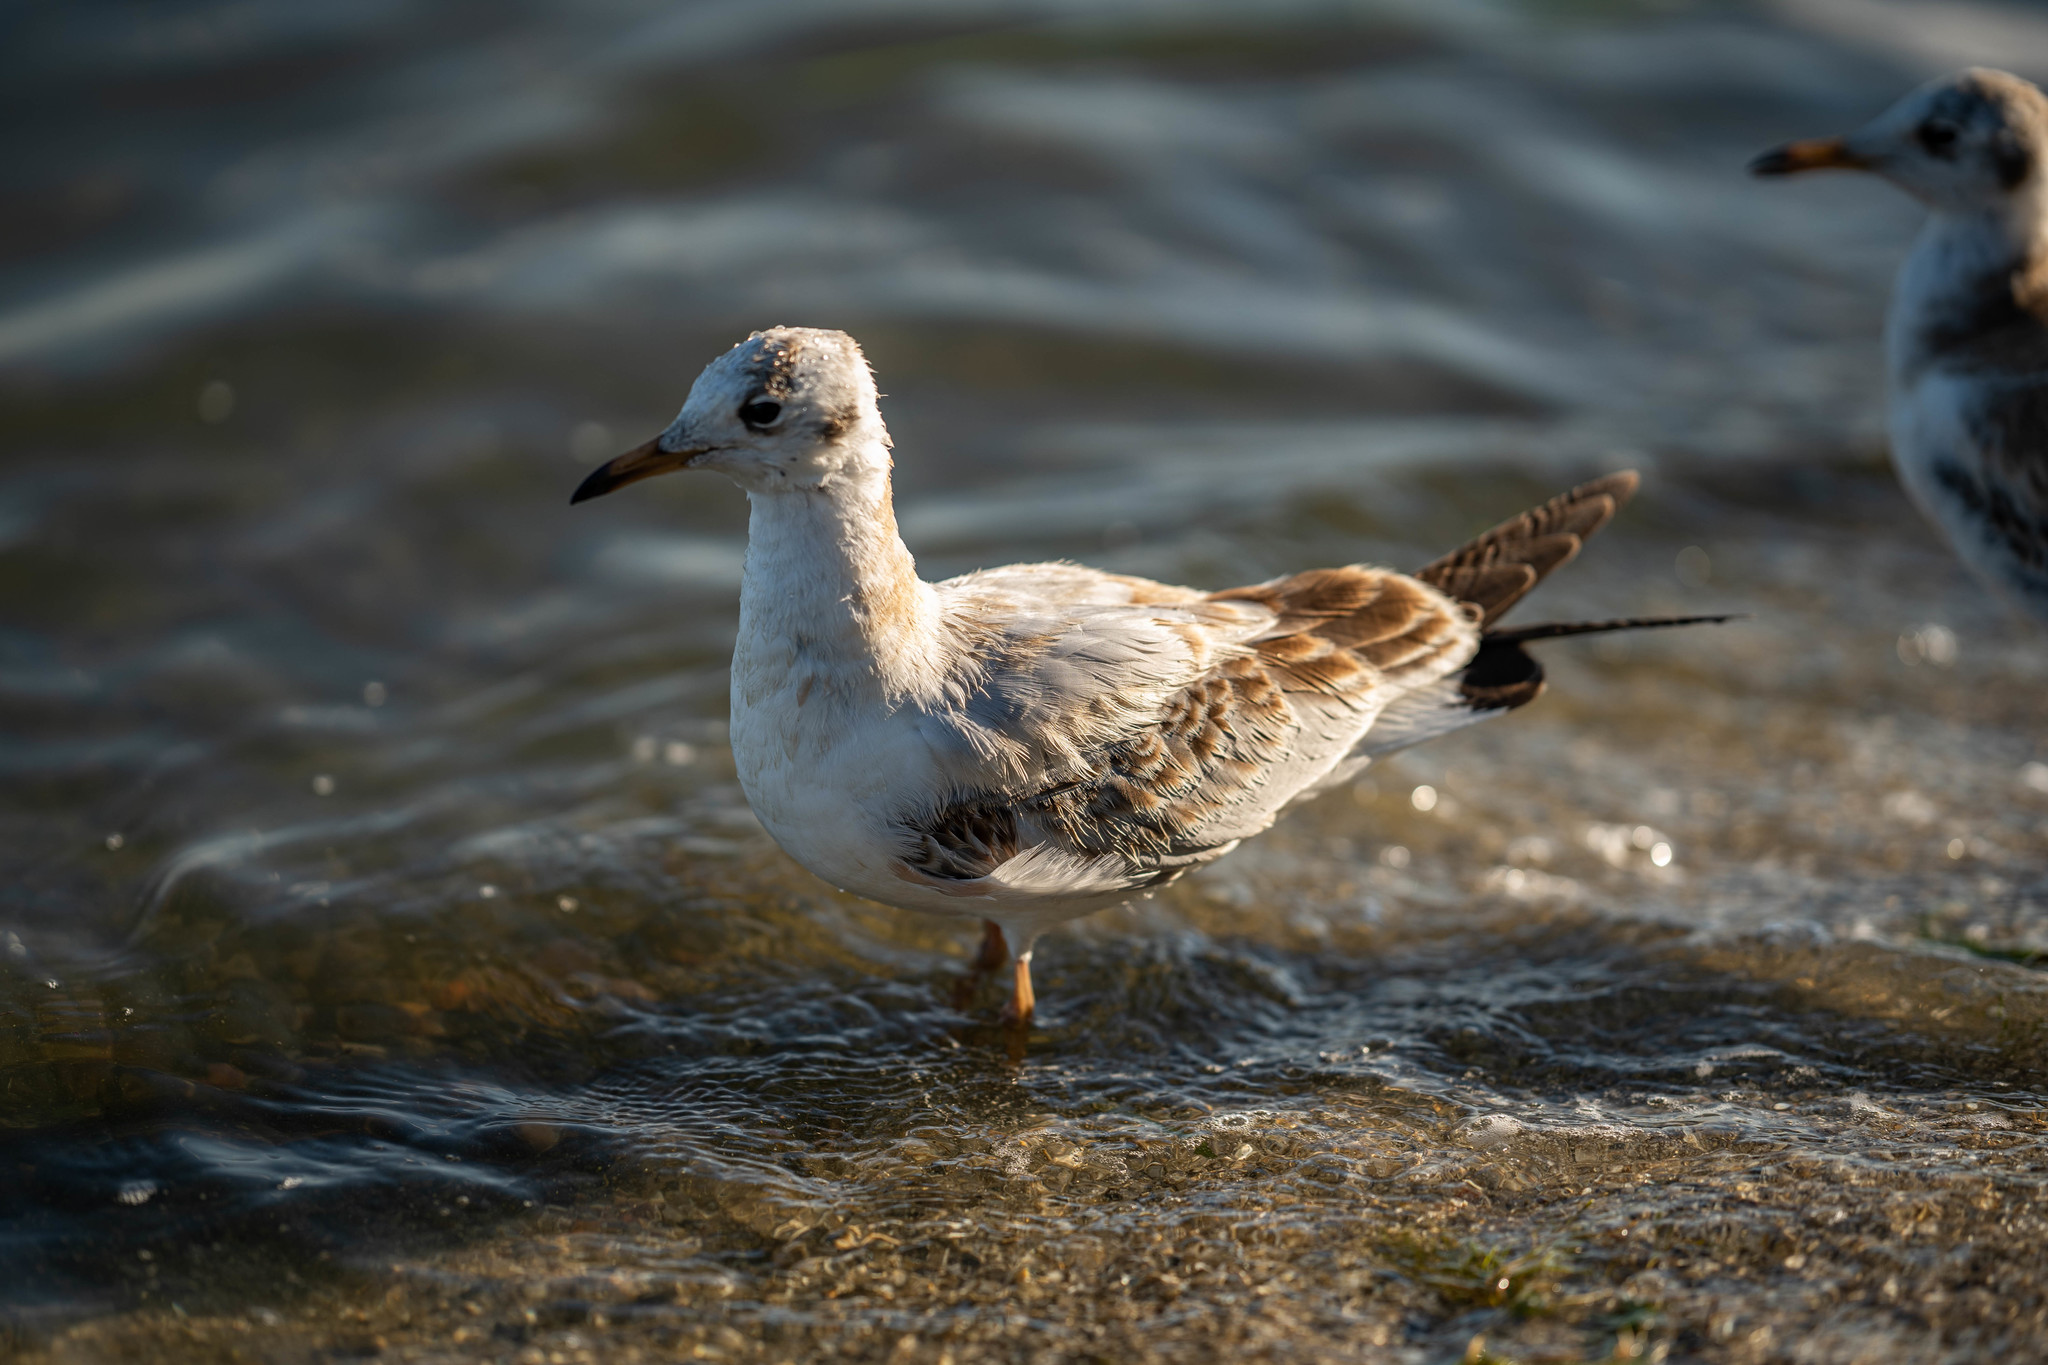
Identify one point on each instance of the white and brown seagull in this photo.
(1030, 744)
(1966, 338)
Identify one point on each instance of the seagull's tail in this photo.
(1493, 572)
(1496, 570)
(1553, 630)
(1501, 676)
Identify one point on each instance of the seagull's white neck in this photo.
(831, 594)
(1969, 274)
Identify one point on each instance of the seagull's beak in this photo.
(641, 462)
(1814, 154)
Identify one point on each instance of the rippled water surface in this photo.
(390, 966)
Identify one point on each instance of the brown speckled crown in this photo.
(820, 369)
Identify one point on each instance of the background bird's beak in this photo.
(641, 462)
(1817, 153)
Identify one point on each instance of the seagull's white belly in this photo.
(829, 785)
(809, 788)
(1926, 427)
(1932, 447)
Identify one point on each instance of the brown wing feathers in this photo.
(1342, 630)
(1338, 632)
(1498, 569)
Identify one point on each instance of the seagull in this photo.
(1966, 340)
(1030, 744)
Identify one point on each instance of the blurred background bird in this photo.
(1966, 339)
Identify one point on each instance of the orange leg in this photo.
(1023, 1003)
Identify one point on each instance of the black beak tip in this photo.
(1773, 162)
(596, 486)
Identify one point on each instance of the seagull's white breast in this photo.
(1926, 427)
(827, 769)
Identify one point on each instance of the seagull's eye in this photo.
(1937, 138)
(760, 413)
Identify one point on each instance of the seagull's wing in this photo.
(1064, 583)
(1111, 744)
(1125, 730)
(1987, 485)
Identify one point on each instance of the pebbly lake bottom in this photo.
(1637, 1146)
(1688, 1014)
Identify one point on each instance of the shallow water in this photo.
(389, 965)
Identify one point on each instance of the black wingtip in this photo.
(1557, 629)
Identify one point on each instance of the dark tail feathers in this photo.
(1553, 630)
(1496, 570)
(1502, 675)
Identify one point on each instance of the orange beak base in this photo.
(1814, 154)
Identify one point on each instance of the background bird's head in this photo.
(788, 409)
(1968, 143)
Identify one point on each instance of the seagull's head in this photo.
(1967, 143)
(790, 409)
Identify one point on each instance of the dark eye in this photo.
(760, 413)
(1936, 137)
